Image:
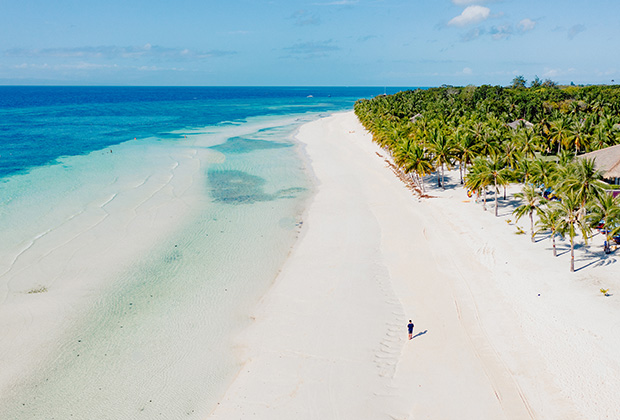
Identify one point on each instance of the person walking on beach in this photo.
(410, 328)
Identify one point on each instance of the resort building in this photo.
(608, 162)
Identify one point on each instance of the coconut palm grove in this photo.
(529, 135)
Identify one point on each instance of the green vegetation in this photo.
(500, 135)
(39, 289)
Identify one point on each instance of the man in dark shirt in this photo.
(410, 328)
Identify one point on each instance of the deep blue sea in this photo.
(39, 124)
(140, 227)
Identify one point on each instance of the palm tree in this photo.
(500, 172)
(543, 172)
(489, 171)
(606, 208)
(531, 202)
(512, 156)
(609, 127)
(549, 219)
(582, 179)
(477, 130)
(572, 217)
(578, 136)
(479, 178)
(402, 149)
(488, 142)
(419, 162)
(524, 171)
(527, 141)
(599, 139)
(443, 150)
(466, 149)
(559, 132)
(391, 133)
(565, 157)
(543, 131)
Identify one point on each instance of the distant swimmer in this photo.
(410, 328)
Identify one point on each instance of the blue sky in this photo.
(308, 43)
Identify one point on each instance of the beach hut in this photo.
(607, 161)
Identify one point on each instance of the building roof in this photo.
(520, 123)
(415, 117)
(606, 160)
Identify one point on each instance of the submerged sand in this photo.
(502, 329)
(124, 274)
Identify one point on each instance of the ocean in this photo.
(140, 227)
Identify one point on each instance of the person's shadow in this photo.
(419, 334)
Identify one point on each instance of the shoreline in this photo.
(502, 329)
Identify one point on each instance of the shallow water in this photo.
(127, 268)
(158, 339)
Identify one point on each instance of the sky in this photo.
(308, 43)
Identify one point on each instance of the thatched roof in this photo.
(606, 160)
(520, 123)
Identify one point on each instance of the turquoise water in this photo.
(128, 268)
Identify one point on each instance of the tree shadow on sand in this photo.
(596, 259)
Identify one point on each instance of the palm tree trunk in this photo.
(461, 172)
(572, 255)
(532, 224)
(496, 194)
(418, 181)
(484, 199)
(443, 183)
(555, 253)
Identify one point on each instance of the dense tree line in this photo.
(499, 135)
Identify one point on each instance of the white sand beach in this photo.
(503, 330)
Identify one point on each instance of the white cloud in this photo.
(114, 52)
(606, 73)
(527, 25)
(501, 32)
(472, 14)
(549, 73)
(468, 71)
(472, 34)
